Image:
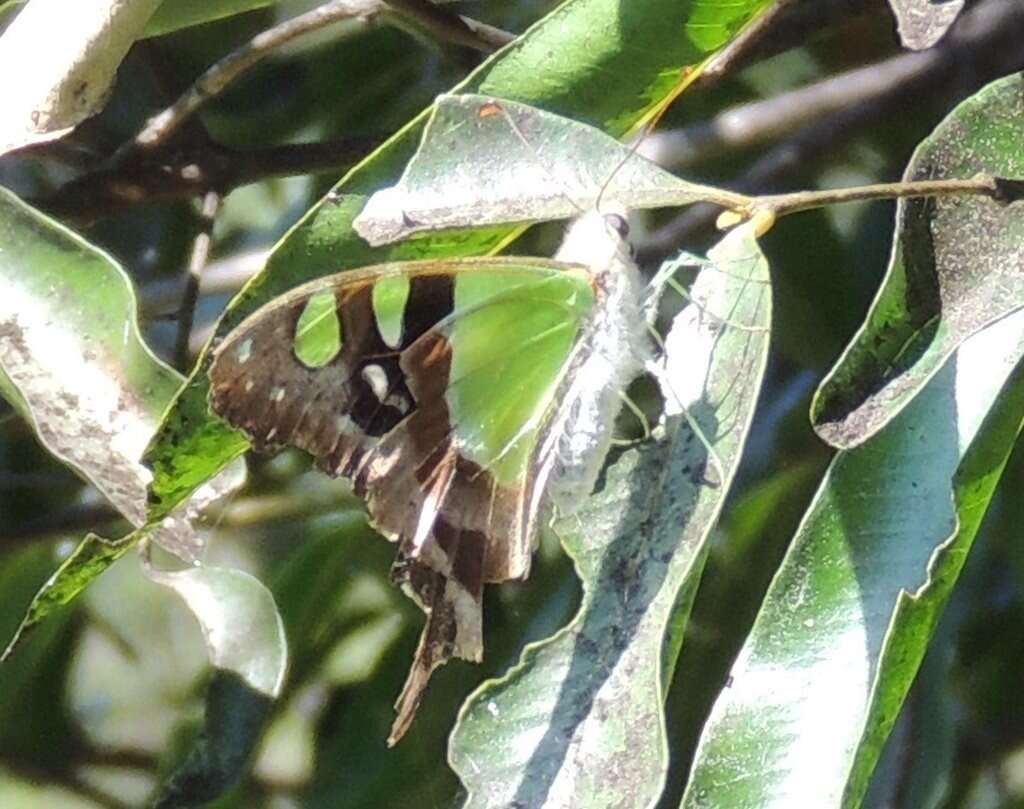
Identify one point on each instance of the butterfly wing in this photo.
(428, 384)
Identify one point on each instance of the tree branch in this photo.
(221, 75)
(445, 26)
(192, 170)
(197, 261)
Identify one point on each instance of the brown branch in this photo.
(197, 261)
(193, 170)
(221, 75)
(981, 46)
(449, 27)
(786, 24)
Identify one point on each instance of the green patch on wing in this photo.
(318, 332)
(390, 295)
(512, 333)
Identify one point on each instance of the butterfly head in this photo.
(599, 240)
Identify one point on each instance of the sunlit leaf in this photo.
(957, 266)
(845, 625)
(486, 161)
(579, 721)
(67, 81)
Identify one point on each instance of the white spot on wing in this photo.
(245, 350)
(277, 395)
(377, 378)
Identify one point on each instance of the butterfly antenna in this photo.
(634, 148)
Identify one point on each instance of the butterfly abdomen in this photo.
(581, 431)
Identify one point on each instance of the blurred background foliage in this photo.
(104, 698)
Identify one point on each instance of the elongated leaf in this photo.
(71, 350)
(485, 161)
(579, 721)
(846, 622)
(243, 631)
(957, 265)
(77, 369)
(246, 643)
(602, 61)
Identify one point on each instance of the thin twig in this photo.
(196, 263)
(751, 124)
(980, 47)
(187, 172)
(750, 39)
(447, 26)
(224, 276)
(786, 24)
(217, 78)
(982, 185)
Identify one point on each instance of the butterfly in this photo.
(464, 399)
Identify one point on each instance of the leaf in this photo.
(175, 14)
(70, 347)
(236, 714)
(64, 71)
(28, 684)
(579, 721)
(485, 161)
(922, 23)
(76, 368)
(601, 61)
(957, 266)
(241, 626)
(849, 615)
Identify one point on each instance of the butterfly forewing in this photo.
(428, 384)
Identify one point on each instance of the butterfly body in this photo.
(463, 399)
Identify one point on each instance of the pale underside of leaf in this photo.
(65, 57)
(81, 375)
(486, 161)
(242, 628)
(578, 722)
(957, 266)
(922, 23)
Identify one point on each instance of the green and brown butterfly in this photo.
(464, 399)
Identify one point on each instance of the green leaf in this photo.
(601, 61)
(490, 162)
(71, 351)
(955, 268)
(28, 683)
(77, 370)
(241, 626)
(846, 622)
(91, 558)
(579, 721)
(236, 714)
(175, 14)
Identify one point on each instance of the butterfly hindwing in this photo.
(429, 385)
